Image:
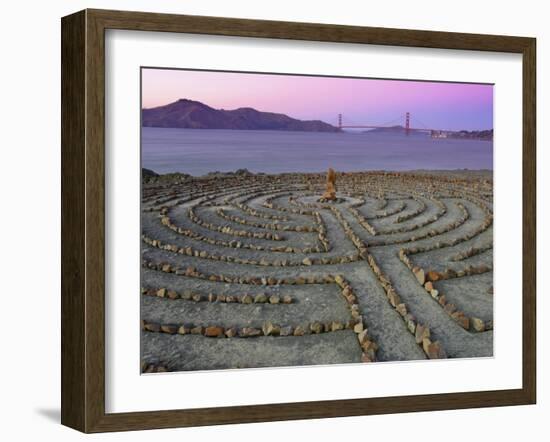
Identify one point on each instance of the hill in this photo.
(191, 114)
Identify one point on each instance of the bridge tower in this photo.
(339, 121)
(407, 123)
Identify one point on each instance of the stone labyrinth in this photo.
(255, 270)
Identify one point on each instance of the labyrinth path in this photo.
(256, 270)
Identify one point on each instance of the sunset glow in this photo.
(451, 106)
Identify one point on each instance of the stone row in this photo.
(354, 238)
(229, 230)
(487, 222)
(356, 323)
(166, 221)
(267, 329)
(472, 251)
(270, 281)
(434, 232)
(421, 332)
(269, 203)
(251, 211)
(387, 213)
(418, 211)
(362, 221)
(367, 343)
(151, 367)
(270, 226)
(321, 227)
(260, 298)
(442, 210)
(427, 279)
(209, 192)
(204, 254)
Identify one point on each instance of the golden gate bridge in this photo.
(405, 118)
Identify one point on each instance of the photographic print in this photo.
(299, 220)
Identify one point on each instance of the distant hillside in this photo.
(474, 134)
(391, 129)
(196, 115)
(395, 130)
(461, 134)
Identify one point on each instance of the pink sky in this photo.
(361, 101)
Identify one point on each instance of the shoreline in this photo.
(149, 173)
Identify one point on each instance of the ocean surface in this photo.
(199, 151)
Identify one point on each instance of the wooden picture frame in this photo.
(83, 220)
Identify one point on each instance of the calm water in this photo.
(199, 151)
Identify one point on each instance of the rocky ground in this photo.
(242, 270)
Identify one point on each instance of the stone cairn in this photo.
(330, 192)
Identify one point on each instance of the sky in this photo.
(434, 105)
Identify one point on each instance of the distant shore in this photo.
(150, 175)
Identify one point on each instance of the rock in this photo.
(450, 273)
(411, 322)
(434, 293)
(477, 324)
(449, 308)
(426, 344)
(248, 332)
(183, 330)
(358, 328)
(152, 327)
(197, 297)
(274, 299)
(286, 331)
(419, 274)
(422, 332)
(429, 286)
(299, 331)
(172, 294)
(247, 299)
(367, 357)
(335, 326)
(287, 299)
(213, 331)
(260, 298)
(231, 332)
(394, 298)
(269, 329)
(462, 319)
(433, 276)
(435, 351)
(166, 268)
(401, 309)
(161, 292)
(197, 330)
(168, 328)
(369, 345)
(363, 337)
(316, 327)
(306, 262)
